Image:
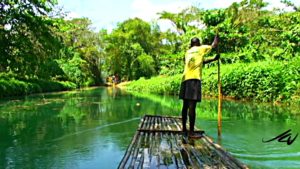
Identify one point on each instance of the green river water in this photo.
(92, 128)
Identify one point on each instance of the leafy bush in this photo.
(159, 85)
(262, 81)
(76, 70)
(171, 64)
(10, 86)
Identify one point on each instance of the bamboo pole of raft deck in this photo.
(171, 149)
(220, 98)
(213, 156)
(227, 157)
(131, 146)
(172, 117)
(135, 153)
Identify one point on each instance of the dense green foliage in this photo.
(261, 81)
(158, 85)
(43, 50)
(259, 52)
(38, 43)
(265, 81)
(28, 38)
(11, 85)
(81, 56)
(132, 49)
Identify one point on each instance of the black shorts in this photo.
(190, 90)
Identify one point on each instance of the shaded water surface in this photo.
(92, 129)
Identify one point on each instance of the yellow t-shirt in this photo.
(194, 58)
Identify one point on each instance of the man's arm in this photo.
(213, 45)
(211, 59)
(215, 42)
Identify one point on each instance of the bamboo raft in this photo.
(158, 143)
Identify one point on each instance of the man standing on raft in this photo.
(190, 90)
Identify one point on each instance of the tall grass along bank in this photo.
(261, 81)
(12, 86)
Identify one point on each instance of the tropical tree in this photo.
(133, 48)
(183, 20)
(83, 49)
(28, 39)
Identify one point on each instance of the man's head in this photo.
(195, 42)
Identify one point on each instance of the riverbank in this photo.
(276, 82)
(13, 86)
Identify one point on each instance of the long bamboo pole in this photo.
(220, 97)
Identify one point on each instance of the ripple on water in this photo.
(270, 160)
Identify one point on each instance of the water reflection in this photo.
(92, 128)
(67, 130)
